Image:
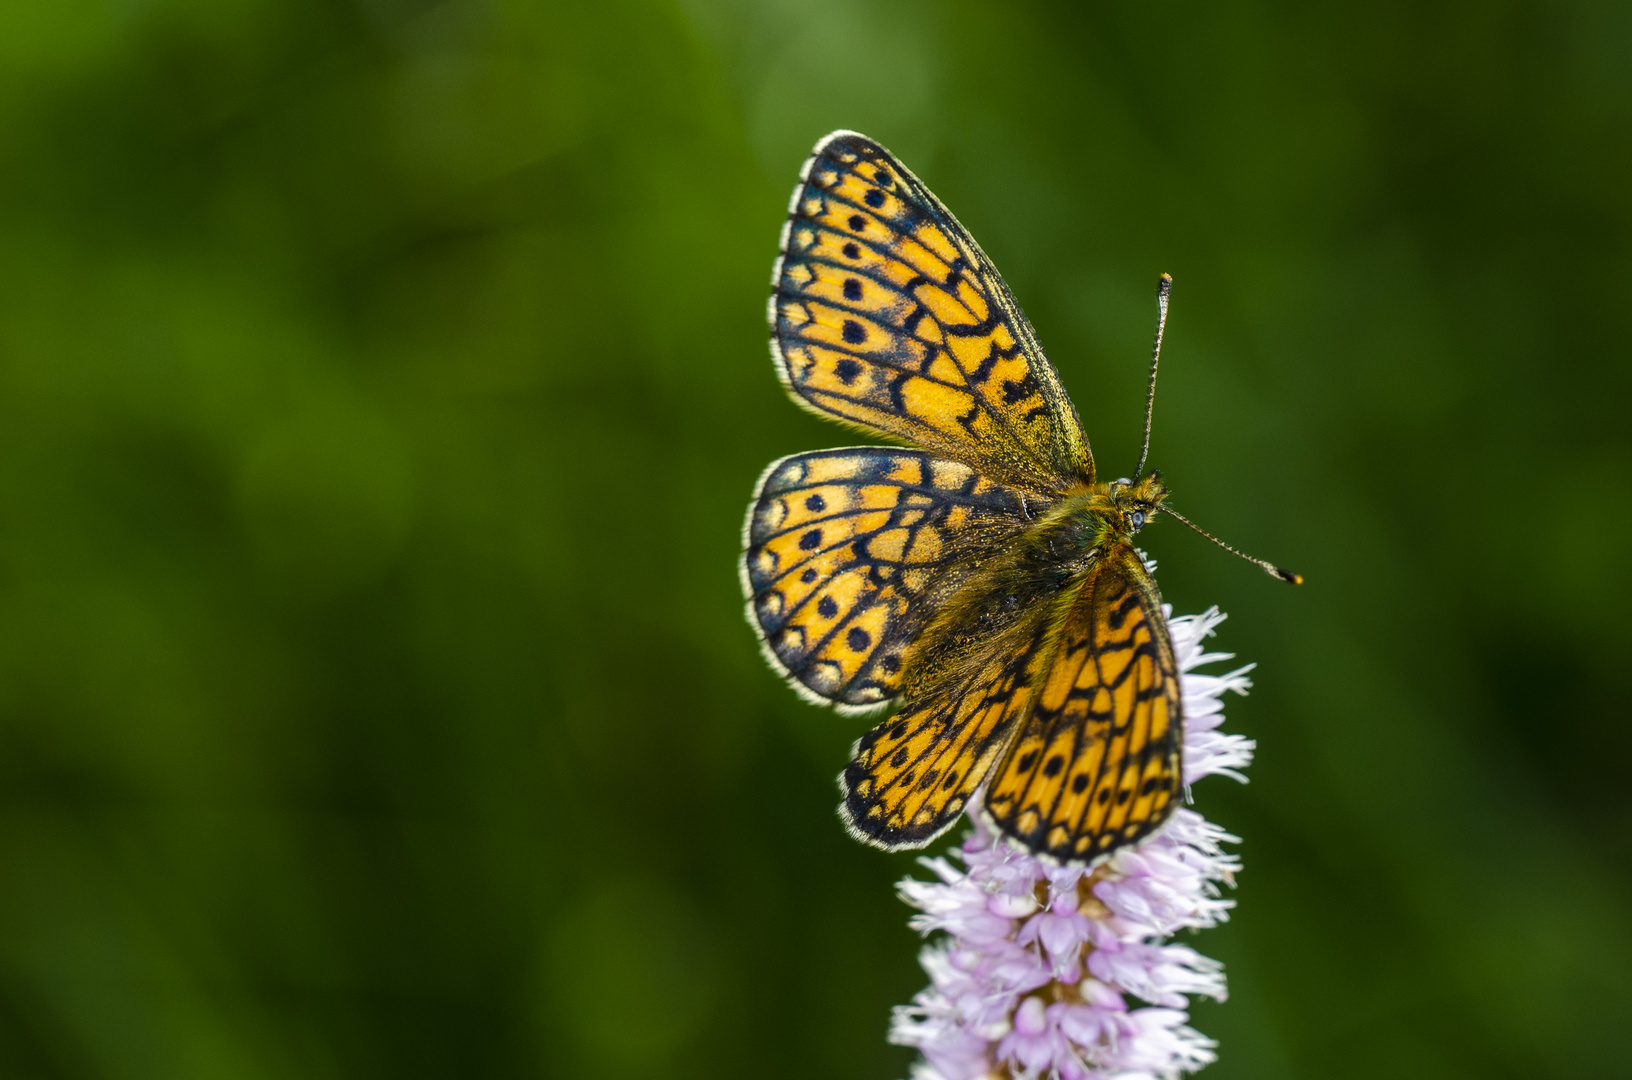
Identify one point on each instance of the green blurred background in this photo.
(381, 386)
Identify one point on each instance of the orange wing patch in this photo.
(886, 314)
(1098, 763)
(849, 550)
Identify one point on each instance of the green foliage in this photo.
(381, 387)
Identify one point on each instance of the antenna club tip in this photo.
(1165, 284)
(1289, 576)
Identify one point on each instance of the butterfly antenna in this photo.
(1163, 289)
(1263, 564)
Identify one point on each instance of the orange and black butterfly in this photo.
(982, 577)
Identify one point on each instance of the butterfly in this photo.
(980, 576)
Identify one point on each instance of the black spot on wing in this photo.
(1018, 390)
(1120, 614)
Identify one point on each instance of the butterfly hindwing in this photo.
(1097, 764)
(848, 549)
(886, 314)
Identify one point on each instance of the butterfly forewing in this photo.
(848, 551)
(886, 314)
(1097, 764)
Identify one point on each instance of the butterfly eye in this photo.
(1138, 519)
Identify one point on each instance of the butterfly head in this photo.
(1133, 503)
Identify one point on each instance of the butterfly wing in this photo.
(911, 776)
(886, 314)
(849, 550)
(1098, 761)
